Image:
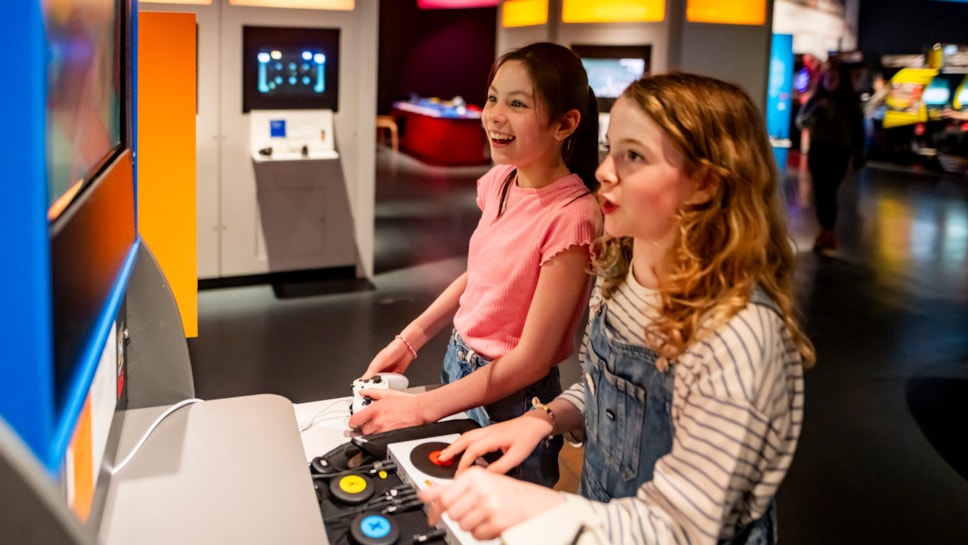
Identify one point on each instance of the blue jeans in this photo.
(541, 467)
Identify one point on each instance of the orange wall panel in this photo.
(166, 152)
(82, 454)
(738, 12)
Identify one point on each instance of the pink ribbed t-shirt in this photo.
(506, 254)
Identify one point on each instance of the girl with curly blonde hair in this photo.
(691, 399)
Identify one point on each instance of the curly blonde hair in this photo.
(728, 245)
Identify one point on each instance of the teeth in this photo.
(501, 137)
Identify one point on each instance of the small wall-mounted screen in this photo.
(292, 72)
(611, 68)
(609, 77)
(290, 68)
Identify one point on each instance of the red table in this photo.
(437, 134)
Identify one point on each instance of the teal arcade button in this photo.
(374, 529)
(375, 526)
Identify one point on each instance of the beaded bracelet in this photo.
(537, 404)
(408, 345)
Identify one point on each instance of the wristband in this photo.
(408, 345)
(537, 404)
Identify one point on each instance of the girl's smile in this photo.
(499, 140)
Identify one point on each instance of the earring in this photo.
(569, 147)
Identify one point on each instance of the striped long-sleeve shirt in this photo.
(737, 410)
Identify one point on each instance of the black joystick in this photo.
(321, 466)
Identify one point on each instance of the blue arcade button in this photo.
(374, 529)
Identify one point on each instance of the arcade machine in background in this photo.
(953, 148)
(291, 93)
(922, 110)
(946, 98)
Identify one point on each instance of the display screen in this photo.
(936, 94)
(290, 68)
(83, 97)
(943, 91)
(292, 72)
(611, 68)
(609, 77)
(801, 81)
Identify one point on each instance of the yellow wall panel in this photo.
(612, 11)
(338, 5)
(516, 13)
(736, 12)
(166, 152)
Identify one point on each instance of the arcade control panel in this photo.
(367, 488)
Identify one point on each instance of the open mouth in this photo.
(500, 139)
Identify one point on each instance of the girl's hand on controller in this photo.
(515, 438)
(389, 410)
(394, 358)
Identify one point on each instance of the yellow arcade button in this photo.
(353, 484)
(351, 489)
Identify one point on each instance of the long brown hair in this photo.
(733, 243)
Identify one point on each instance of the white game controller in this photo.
(385, 381)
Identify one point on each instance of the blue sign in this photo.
(779, 96)
(277, 128)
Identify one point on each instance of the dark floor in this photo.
(884, 453)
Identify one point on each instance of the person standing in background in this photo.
(835, 119)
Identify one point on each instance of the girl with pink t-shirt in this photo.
(516, 309)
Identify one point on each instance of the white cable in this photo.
(329, 406)
(151, 428)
